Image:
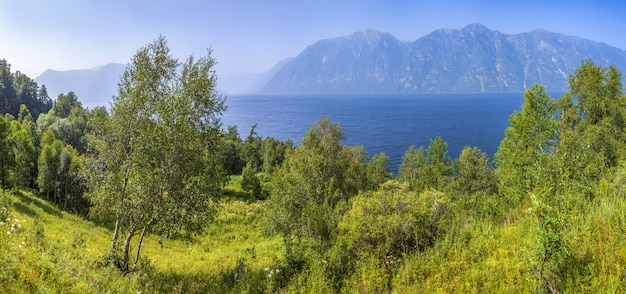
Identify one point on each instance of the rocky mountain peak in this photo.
(473, 59)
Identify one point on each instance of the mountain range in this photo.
(473, 59)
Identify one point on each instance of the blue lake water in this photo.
(381, 123)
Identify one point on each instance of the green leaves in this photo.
(426, 170)
(311, 189)
(596, 106)
(528, 139)
(158, 157)
(393, 220)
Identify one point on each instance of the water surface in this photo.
(381, 123)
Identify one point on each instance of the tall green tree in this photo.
(232, 151)
(474, 173)
(251, 150)
(71, 183)
(377, 171)
(7, 88)
(596, 110)
(529, 138)
(45, 103)
(428, 169)
(314, 182)
(48, 162)
(17, 89)
(24, 150)
(474, 185)
(65, 103)
(250, 183)
(7, 158)
(68, 120)
(413, 160)
(436, 173)
(158, 166)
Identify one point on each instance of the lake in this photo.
(381, 123)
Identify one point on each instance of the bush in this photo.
(393, 221)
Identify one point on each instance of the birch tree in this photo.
(157, 157)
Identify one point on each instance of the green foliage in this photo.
(17, 89)
(7, 158)
(474, 173)
(553, 248)
(393, 221)
(232, 149)
(274, 153)
(49, 166)
(313, 185)
(250, 183)
(426, 170)
(67, 120)
(413, 161)
(528, 140)
(474, 186)
(65, 103)
(377, 171)
(24, 150)
(158, 166)
(436, 174)
(250, 152)
(594, 112)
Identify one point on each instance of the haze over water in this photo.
(381, 123)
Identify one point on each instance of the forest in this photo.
(154, 195)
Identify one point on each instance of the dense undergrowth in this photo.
(45, 249)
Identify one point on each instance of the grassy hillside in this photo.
(45, 249)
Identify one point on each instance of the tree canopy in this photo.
(158, 163)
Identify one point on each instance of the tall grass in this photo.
(49, 250)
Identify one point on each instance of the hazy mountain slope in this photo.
(94, 87)
(474, 59)
(238, 83)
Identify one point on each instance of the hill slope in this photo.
(474, 59)
(45, 249)
(94, 87)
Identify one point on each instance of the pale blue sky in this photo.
(252, 35)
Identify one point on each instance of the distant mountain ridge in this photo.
(245, 83)
(94, 87)
(474, 59)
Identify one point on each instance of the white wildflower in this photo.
(267, 269)
(8, 232)
(277, 271)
